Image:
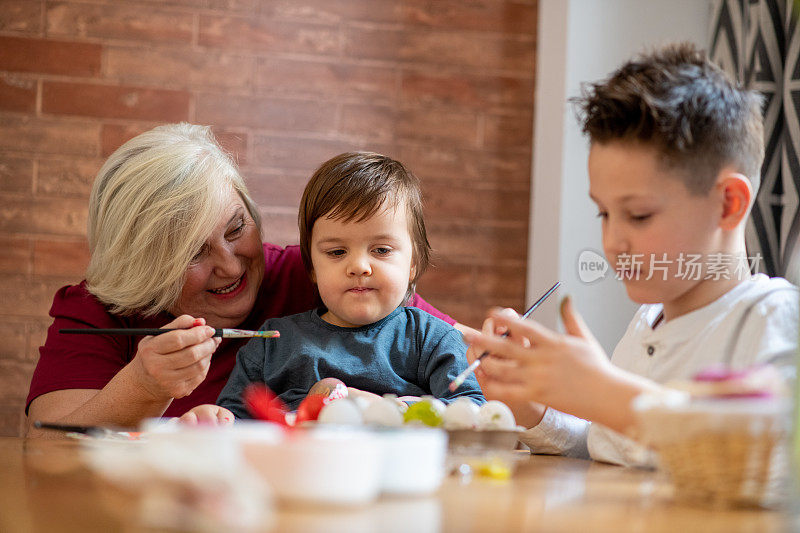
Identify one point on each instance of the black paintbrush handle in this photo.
(124, 331)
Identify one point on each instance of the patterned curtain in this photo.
(758, 43)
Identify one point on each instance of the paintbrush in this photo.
(225, 333)
(456, 383)
(92, 431)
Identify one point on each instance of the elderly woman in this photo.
(175, 242)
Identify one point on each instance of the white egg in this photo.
(383, 412)
(341, 411)
(462, 414)
(496, 415)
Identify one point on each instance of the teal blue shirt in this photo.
(408, 353)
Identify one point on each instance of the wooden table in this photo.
(45, 487)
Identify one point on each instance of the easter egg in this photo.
(384, 412)
(329, 387)
(343, 411)
(461, 414)
(428, 411)
(496, 415)
(310, 408)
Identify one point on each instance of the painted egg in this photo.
(341, 411)
(462, 414)
(428, 411)
(384, 412)
(496, 415)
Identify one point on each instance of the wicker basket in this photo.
(721, 452)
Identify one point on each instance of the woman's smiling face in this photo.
(223, 279)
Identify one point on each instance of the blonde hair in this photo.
(153, 205)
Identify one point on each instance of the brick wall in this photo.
(445, 86)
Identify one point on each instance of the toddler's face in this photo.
(362, 269)
(647, 212)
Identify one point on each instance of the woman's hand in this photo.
(172, 365)
(208, 415)
(569, 372)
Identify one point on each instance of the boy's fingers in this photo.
(519, 327)
(573, 322)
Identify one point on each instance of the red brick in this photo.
(12, 417)
(115, 135)
(471, 200)
(16, 174)
(13, 374)
(20, 16)
(265, 113)
(482, 15)
(49, 56)
(245, 6)
(263, 35)
(446, 280)
(487, 51)
(106, 101)
(67, 177)
(466, 90)
(459, 128)
(53, 216)
(480, 244)
(234, 143)
(178, 67)
(326, 79)
(509, 131)
(64, 259)
(270, 189)
(16, 256)
(49, 136)
(280, 226)
(444, 200)
(27, 298)
(334, 11)
(17, 94)
(501, 282)
(119, 22)
(15, 339)
(509, 170)
(303, 156)
(373, 123)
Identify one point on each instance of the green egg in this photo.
(423, 412)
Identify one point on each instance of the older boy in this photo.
(674, 164)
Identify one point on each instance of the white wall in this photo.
(579, 41)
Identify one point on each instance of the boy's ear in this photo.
(737, 192)
(413, 270)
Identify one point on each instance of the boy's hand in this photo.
(207, 414)
(568, 372)
(526, 413)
